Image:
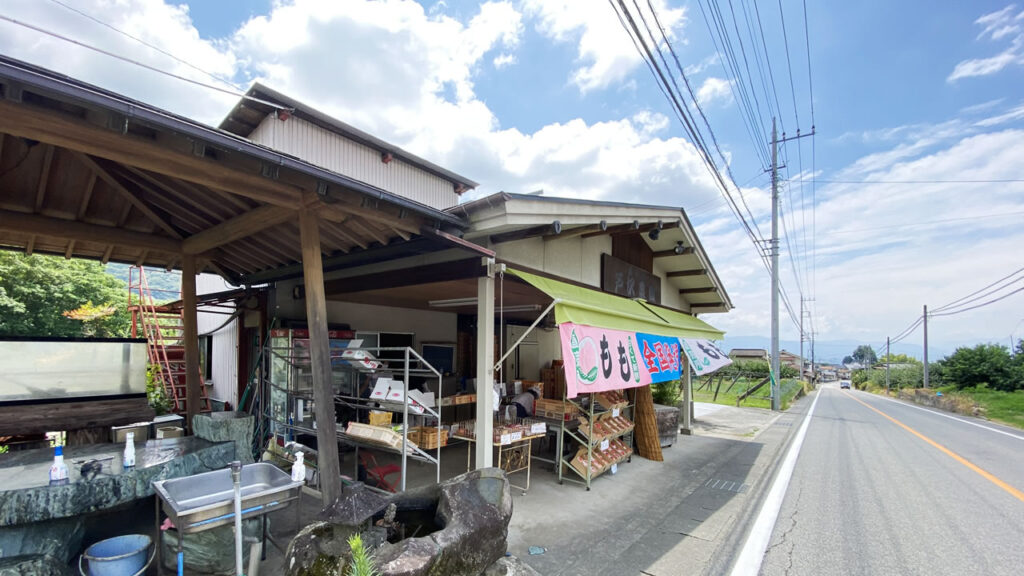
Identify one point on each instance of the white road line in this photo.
(936, 413)
(749, 561)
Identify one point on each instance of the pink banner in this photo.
(597, 360)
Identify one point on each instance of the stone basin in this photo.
(456, 528)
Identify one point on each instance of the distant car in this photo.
(844, 384)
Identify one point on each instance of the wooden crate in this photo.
(554, 382)
(556, 409)
(427, 438)
(376, 435)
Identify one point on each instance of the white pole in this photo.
(776, 404)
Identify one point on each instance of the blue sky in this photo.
(528, 94)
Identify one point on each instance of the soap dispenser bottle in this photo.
(59, 470)
(129, 450)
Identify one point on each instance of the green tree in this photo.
(847, 360)
(865, 355)
(984, 365)
(36, 291)
(899, 359)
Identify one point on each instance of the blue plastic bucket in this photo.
(119, 556)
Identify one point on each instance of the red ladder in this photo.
(163, 328)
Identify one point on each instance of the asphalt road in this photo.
(869, 496)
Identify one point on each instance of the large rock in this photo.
(320, 549)
(210, 551)
(227, 426)
(34, 565)
(463, 527)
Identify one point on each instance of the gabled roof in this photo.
(261, 100)
(90, 173)
(508, 216)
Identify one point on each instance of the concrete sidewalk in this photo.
(671, 518)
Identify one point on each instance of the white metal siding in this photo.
(336, 153)
(224, 358)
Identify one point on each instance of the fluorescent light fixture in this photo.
(452, 302)
(519, 308)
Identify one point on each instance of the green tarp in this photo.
(595, 308)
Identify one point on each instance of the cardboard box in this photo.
(381, 389)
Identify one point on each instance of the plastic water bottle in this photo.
(59, 470)
(129, 450)
(299, 468)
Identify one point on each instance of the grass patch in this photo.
(999, 406)
(995, 405)
(760, 399)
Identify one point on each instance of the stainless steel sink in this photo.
(204, 501)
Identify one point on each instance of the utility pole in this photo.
(801, 339)
(775, 372)
(888, 360)
(776, 388)
(925, 345)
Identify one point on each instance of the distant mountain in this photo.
(833, 351)
(163, 284)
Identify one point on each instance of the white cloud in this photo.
(504, 60)
(606, 55)
(882, 251)
(997, 25)
(714, 90)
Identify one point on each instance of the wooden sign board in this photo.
(622, 278)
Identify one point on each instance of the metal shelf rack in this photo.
(587, 404)
(284, 402)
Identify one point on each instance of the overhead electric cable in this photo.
(982, 305)
(139, 64)
(148, 45)
(996, 286)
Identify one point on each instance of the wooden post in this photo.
(190, 339)
(485, 366)
(687, 407)
(320, 358)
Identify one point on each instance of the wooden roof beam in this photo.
(116, 184)
(44, 178)
(27, 121)
(701, 290)
(554, 228)
(685, 273)
(87, 196)
(237, 228)
(601, 227)
(679, 250)
(81, 232)
(617, 229)
(373, 214)
(370, 231)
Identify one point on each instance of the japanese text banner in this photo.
(704, 356)
(598, 359)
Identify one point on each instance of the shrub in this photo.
(666, 393)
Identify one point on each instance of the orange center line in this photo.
(983, 473)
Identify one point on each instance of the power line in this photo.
(983, 304)
(981, 293)
(137, 63)
(148, 45)
(1002, 181)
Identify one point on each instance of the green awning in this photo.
(602, 310)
